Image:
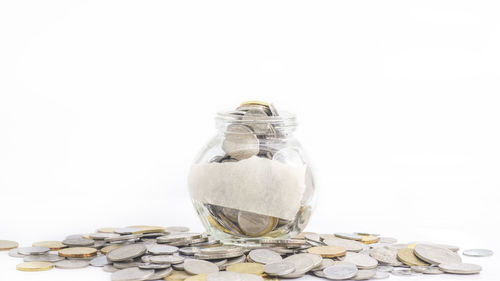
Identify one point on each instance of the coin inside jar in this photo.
(240, 142)
(254, 224)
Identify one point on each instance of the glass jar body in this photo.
(244, 191)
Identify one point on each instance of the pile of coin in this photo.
(173, 253)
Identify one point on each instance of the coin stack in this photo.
(254, 130)
(139, 253)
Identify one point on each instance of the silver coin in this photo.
(126, 252)
(254, 224)
(256, 119)
(385, 268)
(78, 242)
(162, 249)
(146, 259)
(177, 229)
(221, 250)
(71, 264)
(386, 255)
(387, 240)
(74, 236)
(132, 274)
(33, 250)
(232, 261)
(167, 259)
(223, 276)
(302, 262)
(189, 251)
(43, 258)
(364, 274)
(15, 253)
(427, 269)
(478, 252)
(153, 266)
(127, 230)
(324, 264)
(160, 274)
(436, 255)
(381, 275)
(240, 142)
(460, 268)
(340, 271)
(123, 238)
(349, 245)
(279, 268)
(360, 260)
(109, 268)
(126, 264)
(102, 236)
(350, 236)
(449, 247)
(175, 237)
(196, 267)
(264, 256)
(99, 261)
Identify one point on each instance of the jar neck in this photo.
(280, 126)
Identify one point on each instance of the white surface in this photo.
(103, 106)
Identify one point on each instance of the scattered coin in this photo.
(302, 263)
(15, 253)
(8, 245)
(52, 245)
(189, 251)
(364, 274)
(103, 235)
(179, 275)
(436, 255)
(132, 274)
(126, 252)
(478, 252)
(34, 266)
(110, 268)
(340, 271)
(160, 274)
(386, 255)
(360, 260)
(460, 268)
(279, 268)
(71, 264)
(162, 249)
(349, 245)
(327, 251)
(324, 264)
(33, 250)
(78, 242)
(369, 239)
(127, 230)
(387, 240)
(99, 261)
(385, 268)
(407, 256)
(264, 256)
(153, 266)
(350, 236)
(381, 275)
(223, 276)
(78, 252)
(173, 229)
(43, 258)
(167, 259)
(427, 269)
(247, 267)
(106, 230)
(196, 267)
(201, 277)
(108, 249)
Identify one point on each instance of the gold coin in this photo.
(199, 277)
(177, 275)
(8, 245)
(78, 252)
(148, 228)
(87, 236)
(108, 249)
(217, 225)
(369, 239)
(327, 251)
(412, 246)
(34, 266)
(106, 230)
(52, 245)
(254, 102)
(406, 256)
(247, 267)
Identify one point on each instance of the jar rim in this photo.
(284, 119)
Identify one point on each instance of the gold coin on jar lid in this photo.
(52, 245)
(407, 256)
(8, 245)
(247, 267)
(108, 249)
(78, 252)
(106, 230)
(34, 266)
(327, 251)
(369, 239)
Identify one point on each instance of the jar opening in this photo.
(285, 121)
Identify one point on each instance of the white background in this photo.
(104, 105)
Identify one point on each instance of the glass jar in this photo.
(252, 181)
